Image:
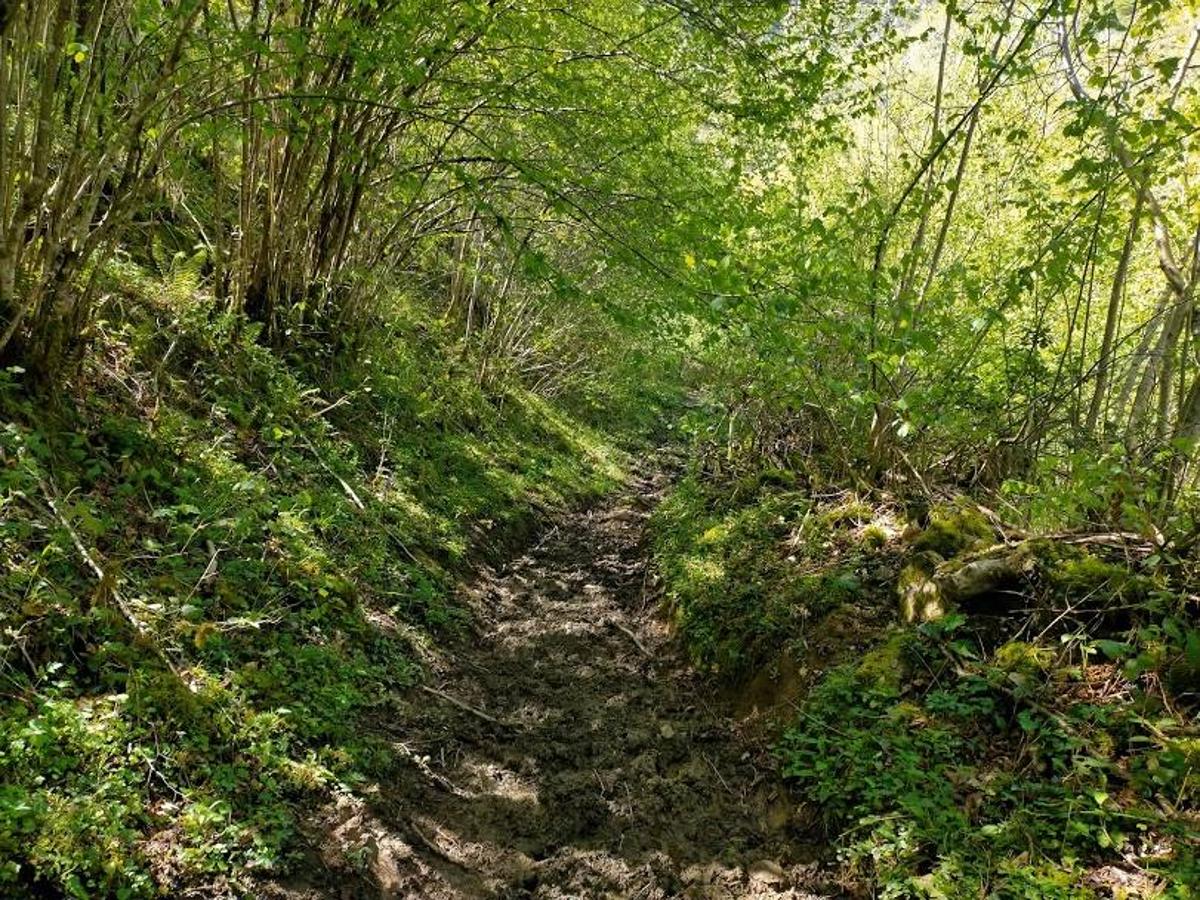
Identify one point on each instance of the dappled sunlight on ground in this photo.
(583, 757)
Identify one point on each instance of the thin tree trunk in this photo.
(918, 242)
(1099, 395)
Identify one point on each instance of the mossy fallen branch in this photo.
(929, 586)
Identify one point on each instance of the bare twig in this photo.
(465, 707)
(354, 498)
(423, 767)
(108, 583)
(633, 637)
(431, 845)
(720, 777)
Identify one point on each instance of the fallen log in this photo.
(930, 586)
(465, 707)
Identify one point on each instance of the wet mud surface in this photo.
(567, 750)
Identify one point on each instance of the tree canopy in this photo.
(306, 307)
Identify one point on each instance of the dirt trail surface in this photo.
(568, 751)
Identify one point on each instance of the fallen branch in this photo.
(633, 637)
(720, 777)
(927, 591)
(423, 767)
(431, 845)
(108, 583)
(465, 707)
(354, 498)
(1120, 540)
(929, 586)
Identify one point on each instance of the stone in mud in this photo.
(701, 874)
(522, 870)
(920, 598)
(387, 867)
(767, 871)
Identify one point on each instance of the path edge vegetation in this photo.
(221, 599)
(303, 304)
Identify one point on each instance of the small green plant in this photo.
(735, 594)
(960, 788)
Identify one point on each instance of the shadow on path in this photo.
(586, 758)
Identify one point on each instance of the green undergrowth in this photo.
(1044, 742)
(218, 565)
(749, 567)
(1031, 770)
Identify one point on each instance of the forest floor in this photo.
(566, 749)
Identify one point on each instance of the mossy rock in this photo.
(953, 529)
(819, 594)
(766, 480)
(852, 512)
(888, 665)
(1086, 574)
(1022, 658)
(874, 536)
(908, 712)
(842, 585)
(920, 598)
(777, 477)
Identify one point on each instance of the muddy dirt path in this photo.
(570, 752)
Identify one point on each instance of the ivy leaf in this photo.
(1113, 649)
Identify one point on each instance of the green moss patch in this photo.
(954, 528)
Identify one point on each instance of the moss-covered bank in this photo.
(217, 565)
(1039, 740)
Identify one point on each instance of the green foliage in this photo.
(73, 803)
(885, 667)
(274, 368)
(283, 535)
(953, 529)
(874, 537)
(947, 782)
(747, 566)
(728, 582)
(1086, 575)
